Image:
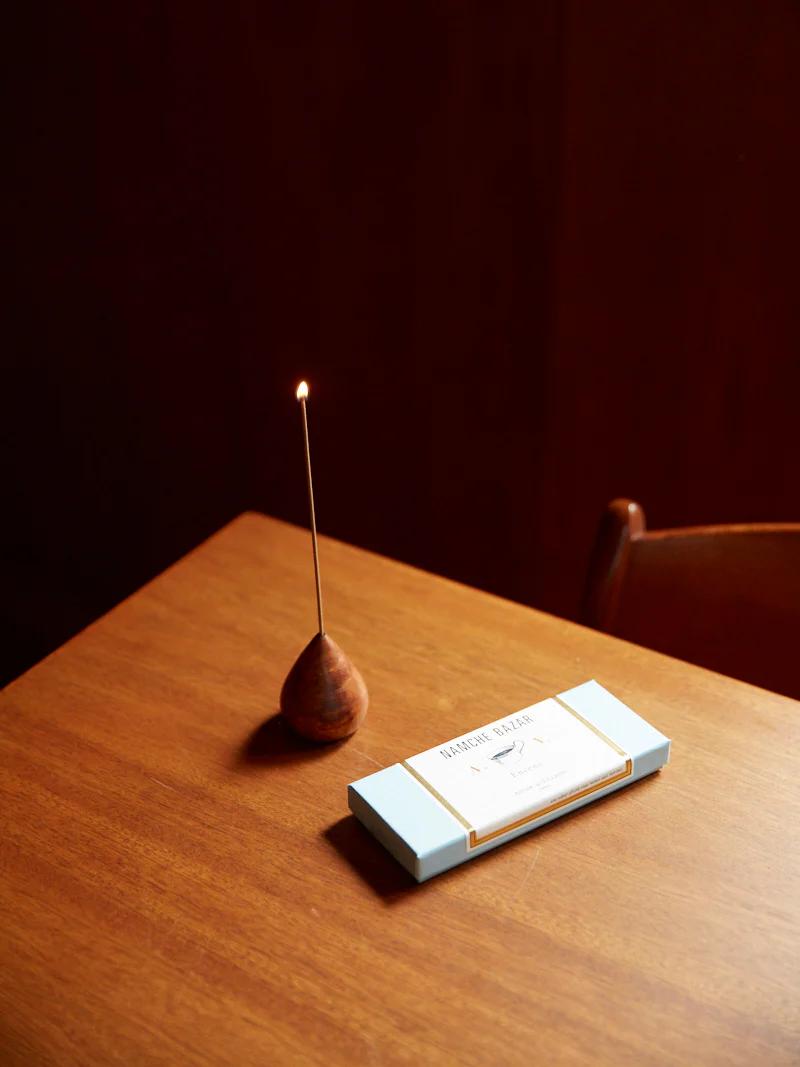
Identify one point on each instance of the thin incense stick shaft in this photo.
(313, 518)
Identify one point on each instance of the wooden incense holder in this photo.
(324, 697)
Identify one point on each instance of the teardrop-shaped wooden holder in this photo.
(324, 697)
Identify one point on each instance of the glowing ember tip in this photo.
(302, 391)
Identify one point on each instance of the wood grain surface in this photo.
(182, 883)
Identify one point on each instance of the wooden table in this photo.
(182, 882)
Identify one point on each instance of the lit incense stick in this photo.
(302, 394)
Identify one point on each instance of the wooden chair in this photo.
(726, 597)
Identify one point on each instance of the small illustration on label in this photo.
(505, 756)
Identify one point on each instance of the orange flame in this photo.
(302, 390)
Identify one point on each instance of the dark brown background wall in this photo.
(529, 256)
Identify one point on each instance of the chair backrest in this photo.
(726, 597)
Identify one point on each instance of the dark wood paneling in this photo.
(674, 369)
(530, 257)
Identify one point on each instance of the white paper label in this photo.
(518, 766)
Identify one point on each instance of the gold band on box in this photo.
(475, 839)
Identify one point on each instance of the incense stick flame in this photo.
(302, 391)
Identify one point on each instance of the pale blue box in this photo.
(420, 831)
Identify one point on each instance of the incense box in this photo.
(470, 794)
